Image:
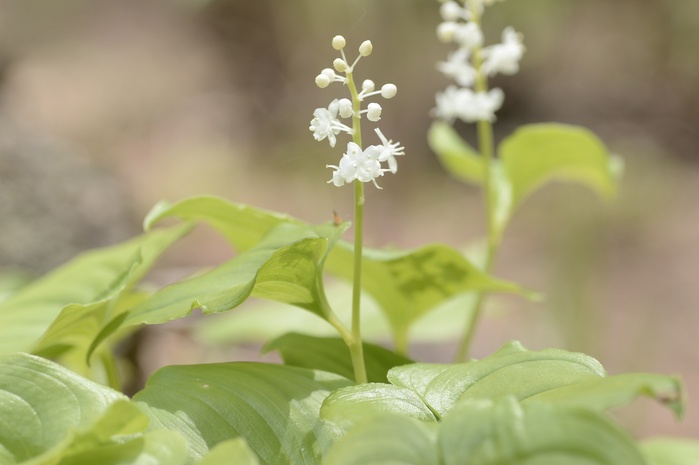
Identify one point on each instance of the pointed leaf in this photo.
(460, 159)
(388, 440)
(331, 354)
(243, 225)
(671, 451)
(91, 277)
(285, 267)
(512, 370)
(506, 432)
(274, 407)
(538, 153)
(408, 284)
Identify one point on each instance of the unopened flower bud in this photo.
(339, 42)
(388, 91)
(373, 112)
(368, 85)
(446, 31)
(340, 64)
(329, 72)
(366, 48)
(346, 108)
(451, 11)
(322, 81)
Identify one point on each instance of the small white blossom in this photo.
(340, 65)
(322, 81)
(373, 112)
(458, 67)
(446, 31)
(451, 11)
(339, 42)
(366, 48)
(467, 105)
(368, 85)
(388, 151)
(363, 166)
(325, 123)
(468, 35)
(388, 91)
(345, 108)
(504, 58)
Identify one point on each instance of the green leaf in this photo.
(387, 440)
(285, 266)
(613, 391)
(37, 395)
(349, 406)
(231, 452)
(274, 407)
(243, 225)
(506, 432)
(405, 284)
(98, 275)
(460, 159)
(538, 153)
(331, 354)
(512, 370)
(408, 284)
(671, 451)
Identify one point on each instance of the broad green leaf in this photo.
(94, 276)
(37, 395)
(512, 370)
(331, 354)
(275, 408)
(506, 432)
(349, 406)
(613, 391)
(285, 266)
(231, 452)
(243, 225)
(387, 440)
(408, 284)
(538, 153)
(551, 375)
(671, 451)
(458, 158)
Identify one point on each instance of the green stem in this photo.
(487, 150)
(355, 344)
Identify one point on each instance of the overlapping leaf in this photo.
(96, 276)
(406, 284)
(273, 407)
(285, 266)
(331, 354)
(529, 158)
(552, 376)
(49, 415)
(489, 433)
(671, 451)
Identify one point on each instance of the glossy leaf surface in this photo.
(275, 408)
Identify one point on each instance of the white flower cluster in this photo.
(461, 26)
(361, 164)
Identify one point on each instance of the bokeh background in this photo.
(108, 106)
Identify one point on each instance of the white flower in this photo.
(346, 108)
(388, 151)
(451, 11)
(504, 58)
(468, 105)
(458, 67)
(468, 35)
(363, 166)
(373, 112)
(325, 123)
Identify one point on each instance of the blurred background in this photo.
(108, 106)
